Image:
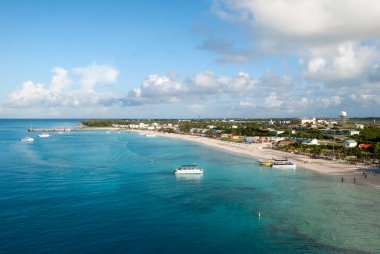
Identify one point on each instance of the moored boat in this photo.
(188, 169)
(267, 163)
(283, 164)
(150, 135)
(27, 139)
(44, 135)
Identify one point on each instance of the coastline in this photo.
(331, 168)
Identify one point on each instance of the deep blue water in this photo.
(93, 192)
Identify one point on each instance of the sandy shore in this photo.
(335, 169)
(257, 151)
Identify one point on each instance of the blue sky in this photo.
(178, 58)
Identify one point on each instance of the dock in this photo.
(50, 130)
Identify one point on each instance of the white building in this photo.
(357, 126)
(349, 143)
(305, 121)
(310, 142)
(276, 132)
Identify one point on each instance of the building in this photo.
(349, 143)
(305, 121)
(350, 132)
(310, 142)
(357, 126)
(364, 146)
(285, 142)
(276, 132)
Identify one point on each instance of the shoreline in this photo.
(325, 167)
(256, 151)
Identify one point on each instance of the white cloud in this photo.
(197, 108)
(157, 89)
(347, 61)
(60, 79)
(323, 20)
(58, 94)
(96, 74)
(205, 92)
(273, 101)
(332, 101)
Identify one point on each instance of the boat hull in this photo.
(27, 140)
(191, 171)
(289, 166)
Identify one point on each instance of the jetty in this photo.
(49, 130)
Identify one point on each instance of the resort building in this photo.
(357, 126)
(310, 142)
(305, 121)
(349, 143)
(285, 142)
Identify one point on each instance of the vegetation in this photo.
(370, 134)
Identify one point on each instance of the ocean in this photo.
(98, 192)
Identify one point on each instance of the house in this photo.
(285, 142)
(305, 121)
(350, 132)
(357, 126)
(276, 132)
(310, 142)
(349, 143)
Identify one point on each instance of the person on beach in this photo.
(342, 179)
(354, 180)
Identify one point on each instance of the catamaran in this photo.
(44, 135)
(283, 164)
(27, 139)
(188, 169)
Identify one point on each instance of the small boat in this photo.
(27, 139)
(267, 163)
(142, 133)
(44, 135)
(150, 135)
(188, 169)
(283, 164)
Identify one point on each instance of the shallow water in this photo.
(93, 192)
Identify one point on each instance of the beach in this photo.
(333, 168)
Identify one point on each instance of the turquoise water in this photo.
(92, 192)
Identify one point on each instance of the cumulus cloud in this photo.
(347, 62)
(157, 89)
(321, 20)
(96, 74)
(58, 92)
(267, 95)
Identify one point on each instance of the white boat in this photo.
(150, 135)
(188, 169)
(283, 164)
(44, 135)
(27, 139)
(142, 133)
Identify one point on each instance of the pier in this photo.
(50, 130)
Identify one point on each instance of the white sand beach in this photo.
(257, 151)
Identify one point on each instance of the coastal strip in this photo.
(328, 167)
(339, 170)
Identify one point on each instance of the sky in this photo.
(189, 59)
